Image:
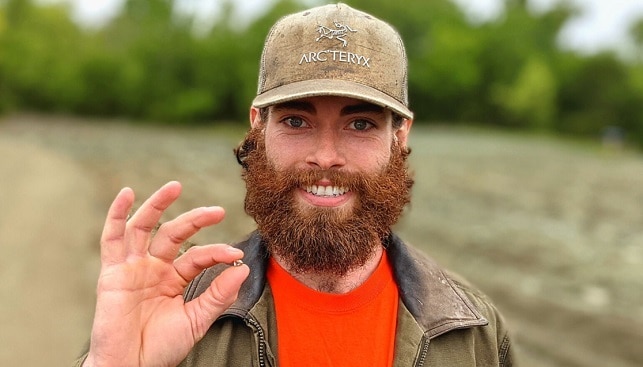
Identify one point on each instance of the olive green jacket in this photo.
(441, 321)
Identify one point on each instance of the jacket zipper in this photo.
(424, 352)
(262, 340)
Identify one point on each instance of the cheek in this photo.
(371, 156)
(282, 154)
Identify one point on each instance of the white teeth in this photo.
(326, 190)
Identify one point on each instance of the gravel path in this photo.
(47, 223)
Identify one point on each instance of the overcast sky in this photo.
(603, 23)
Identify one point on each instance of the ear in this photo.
(402, 133)
(255, 118)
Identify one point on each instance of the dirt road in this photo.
(57, 178)
(47, 220)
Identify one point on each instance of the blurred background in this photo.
(526, 152)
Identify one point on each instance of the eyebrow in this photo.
(347, 110)
(296, 105)
(361, 108)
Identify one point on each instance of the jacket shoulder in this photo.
(448, 306)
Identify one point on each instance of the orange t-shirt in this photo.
(323, 329)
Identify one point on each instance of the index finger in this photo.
(111, 241)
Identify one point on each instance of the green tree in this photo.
(39, 59)
(531, 100)
(517, 49)
(598, 92)
(149, 64)
(636, 31)
(636, 78)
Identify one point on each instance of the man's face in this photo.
(329, 133)
(327, 180)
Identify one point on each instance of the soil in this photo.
(551, 230)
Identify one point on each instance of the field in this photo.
(552, 230)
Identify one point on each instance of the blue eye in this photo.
(294, 121)
(361, 125)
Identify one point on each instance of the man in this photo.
(323, 280)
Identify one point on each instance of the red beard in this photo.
(322, 240)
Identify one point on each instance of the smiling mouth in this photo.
(326, 191)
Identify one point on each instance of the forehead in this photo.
(330, 104)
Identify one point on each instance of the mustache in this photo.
(292, 178)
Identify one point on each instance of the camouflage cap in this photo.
(334, 50)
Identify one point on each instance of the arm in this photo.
(141, 318)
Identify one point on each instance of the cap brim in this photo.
(330, 87)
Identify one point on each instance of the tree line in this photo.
(152, 63)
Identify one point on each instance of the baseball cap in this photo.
(334, 50)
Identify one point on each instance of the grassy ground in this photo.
(552, 231)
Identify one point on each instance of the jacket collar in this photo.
(433, 298)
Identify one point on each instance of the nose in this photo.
(326, 151)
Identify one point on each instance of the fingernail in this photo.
(234, 251)
(212, 209)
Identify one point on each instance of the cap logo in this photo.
(340, 31)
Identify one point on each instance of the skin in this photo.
(141, 318)
(330, 133)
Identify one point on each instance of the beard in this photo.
(323, 240)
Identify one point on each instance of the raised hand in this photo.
(141, 318)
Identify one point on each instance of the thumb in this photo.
(216, 299)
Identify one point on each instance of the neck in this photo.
(332, 283)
